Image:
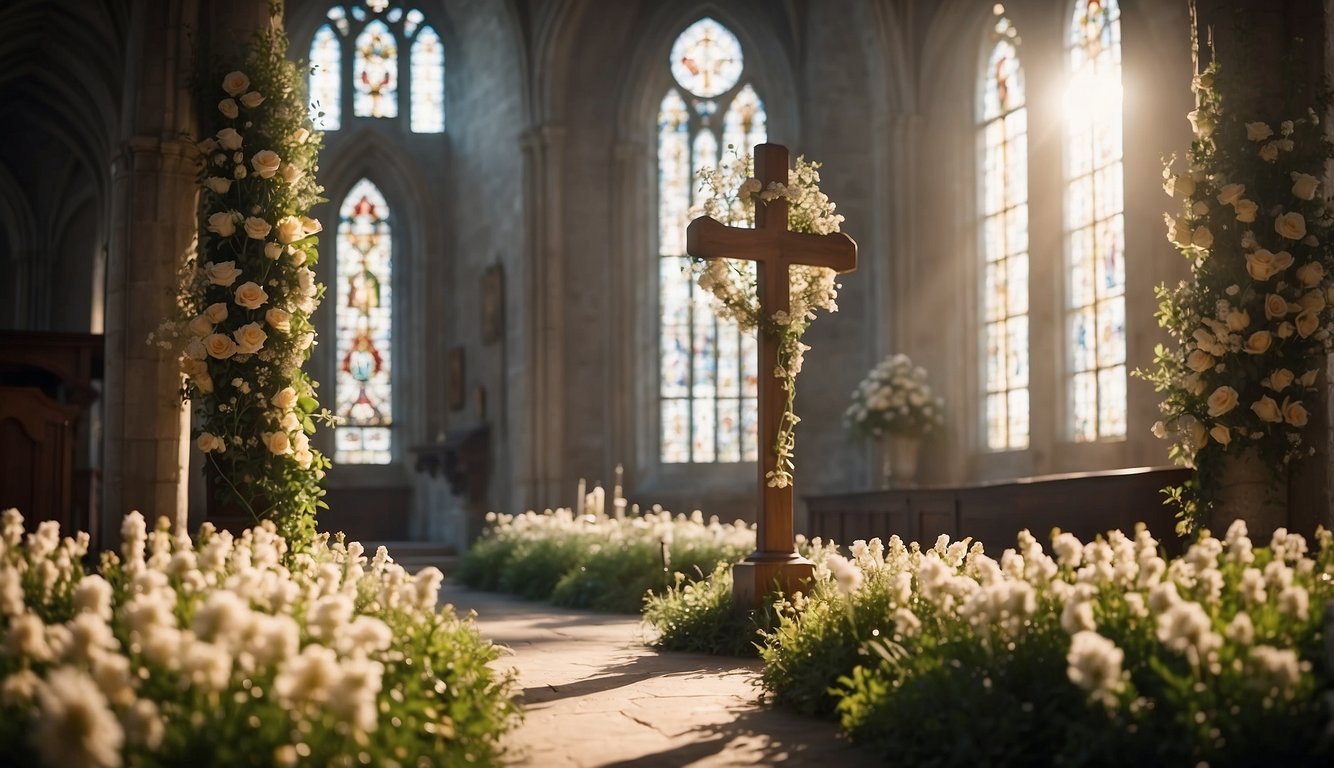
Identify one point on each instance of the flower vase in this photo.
(898, 455)
(1253, 491)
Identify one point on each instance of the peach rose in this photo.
(1267, 410)
(252, 99)
(1258, 343)
(1304, 185)
(277, 442)
(1222, 400)
(250, 339)
(209, 442)
(1231, 193)
(228, 109)
(1294, 412)
(266, 163)
(220, 345)
(223, 273)
(235, 83)
(1291, 225)
(1279, 380)
(1221, 434)
(257, 228)
(284, 399)
(1307, 323)
(218, 185)
(1275, 306)
(222, 224)
(278, 320)
(229, 139)
(1311, 273)
(251, 296)
(1261, 265)
(1238, 319)
(216, 313)
(289, 230)
(1200, 361)
(200, 326)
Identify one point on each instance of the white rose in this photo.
(252, 99)
(1177, 231)
(1200, 208)
(311, 226)
(1291, 225)
(1222, 400)
(220, 345)
(299, 258)
(1200, 361)
(1267, 410)
(200, 326)
(250, 339)
(222, 223)
(284, 399)
(218, 185)
(266, 163)
(292, 174)
(300, 442)
(277, 442)
(235, 83)
(303, 458)
(1304, 185)
(1261, 264)
(1258, 343)
(1279, 380)
(1221, 434)
(272, 251)
(1285, 330)
(1231, 193)
(306, 280)
(257, 228)
(1294, 412)
(1184, 187)
(289, 230)
(209, 442)
(228, 109)
(305, 340)
(229, 139)
(223, 273)
(278, 320)
(251, 295)
(1311, 273)
(1202, 238)
(290, 422)
(1258, 131)
(1246, 210)
(1203, 125)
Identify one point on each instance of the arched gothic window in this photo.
(363, 391)
(1004, 138)
(1095, 225)
(359, 45)
(707, 366)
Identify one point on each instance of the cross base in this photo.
(759, 575)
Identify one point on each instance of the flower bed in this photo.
(235, 651)
(1103, 653)
(603, 563)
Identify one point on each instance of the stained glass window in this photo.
(707, 366)
(428, 83)
(1094, 224)
(326, 61)
(1004, 139)
(363, 376)
(375, 75)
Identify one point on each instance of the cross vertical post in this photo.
(775, 562)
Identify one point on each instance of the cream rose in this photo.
(303, 458)
(277, 442)
(238, 172)
(311, 226)
(252, 99)
(194, 354)
(235, 83)
(1314, 300)
(1221, 434)
(266, 163)
(1260, 265)
(290, 422)
(1258, 131)
(216, 313)
(1269, 152)
(300, 135)
(305, 280)
(1291, 225)
(1267, 410)
(278, 320)
(1311, 273)
(250, 339)
(1275, 306)
(1304, 185)
(222, 223)
(1279, 380)
(291, 173)
(1246, 210)
(200, 326)
(209, 442)
(229, 139)
(223, 273)
(1307, 322)
(257, 228)
(1258, 343)
(1202, 238)
(1285, 329)
(251, 295)
(1308, 379)
(220, 346)
(1200, 208)
(300, 442)
(1177, 231)
(1201, 124)
(1229, 194)
(1282, 260)
(203, 382)
(228, 109)
(1184, 187)
(299, 257)
(1199, 435)
(272, 251)
(1238, 319)
(289, 230)
(1222, 400)
(218, 185)
(1294, 412)
(284, 399)
(1199, 361)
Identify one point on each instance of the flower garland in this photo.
(244, 328)
(894, 398)
(731, 194)
(1253, 322)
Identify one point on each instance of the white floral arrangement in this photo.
(895, 399)
(1252, 325)
(244, 328)
(730, 194)
(236, 648)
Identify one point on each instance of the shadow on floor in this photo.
(638, 668)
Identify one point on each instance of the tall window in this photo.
(363, 378)
(1095, 225)
(1004, 137)
(707, 366)
(360, 44)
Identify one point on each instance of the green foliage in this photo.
(699, 617)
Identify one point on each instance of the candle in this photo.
(579, 499)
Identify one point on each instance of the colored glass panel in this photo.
(326, 61)
(1004, 141)
(428, 82)
(706, 58)
(744, 125)
(375, 72)
(1095, 228)
(363, 398)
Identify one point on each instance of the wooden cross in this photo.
(773, 249)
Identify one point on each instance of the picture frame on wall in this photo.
(493, 304)
(455, 386)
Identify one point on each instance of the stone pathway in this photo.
(595, 696)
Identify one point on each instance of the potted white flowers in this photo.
(895, 403)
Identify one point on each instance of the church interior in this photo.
(528, 166)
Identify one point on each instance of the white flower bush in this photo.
(234, 651)
(895, 399)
